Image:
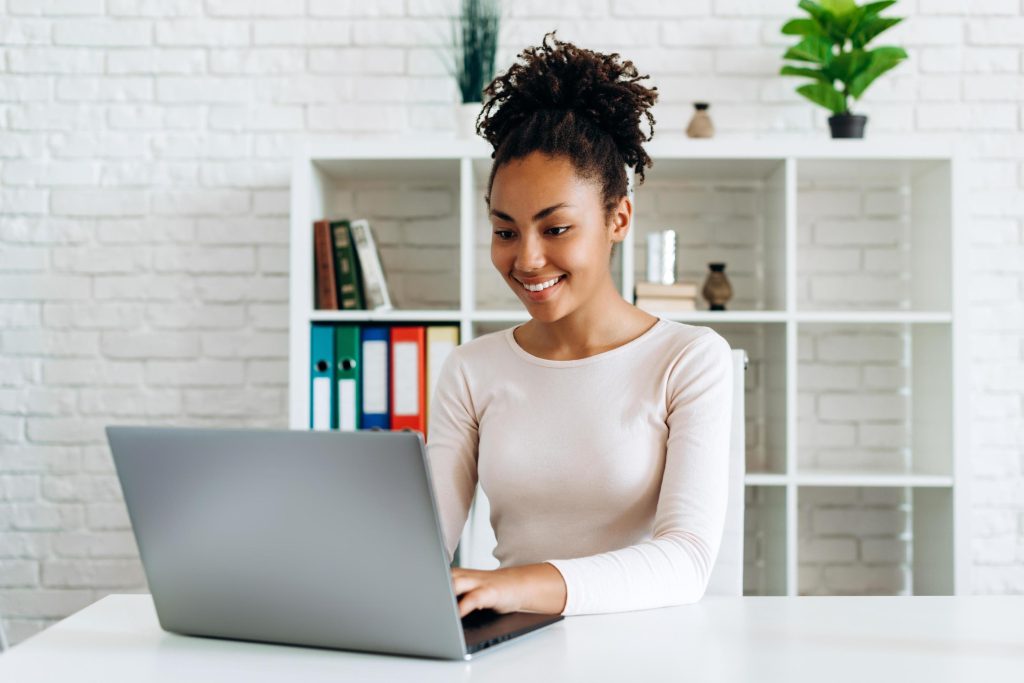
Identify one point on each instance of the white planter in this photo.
(466, 114)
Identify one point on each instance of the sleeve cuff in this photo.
(571, 590)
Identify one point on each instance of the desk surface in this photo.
(764, 639)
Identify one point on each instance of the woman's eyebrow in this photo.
(540, 214)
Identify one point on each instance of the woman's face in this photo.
(549, 232)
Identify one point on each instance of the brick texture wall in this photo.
(144, 167)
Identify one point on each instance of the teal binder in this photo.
(321, 377)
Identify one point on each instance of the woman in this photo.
(599, 432)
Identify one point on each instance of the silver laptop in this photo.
(315, 538)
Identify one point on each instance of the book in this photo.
(350, 295)
(375, 286)
(656, 304)
(323, 272)
(680, 290)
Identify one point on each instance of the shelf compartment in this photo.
(413, 209)
(874, 235)
(875, 399)
(933, 550)
(727, 210)
(854, 541)
(764, 392)
(764, 540)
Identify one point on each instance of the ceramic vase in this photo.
(466, 114)
(700, 125)
(717, 289)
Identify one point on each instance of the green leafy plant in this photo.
(834, 39)
(474, 42)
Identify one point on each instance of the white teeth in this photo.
(541, 286)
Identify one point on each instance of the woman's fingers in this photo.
(463, 581)
(480, 589)
(472, 590)
(466, 605)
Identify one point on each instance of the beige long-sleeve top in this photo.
(613, 468)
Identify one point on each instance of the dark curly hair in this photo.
(564, 100)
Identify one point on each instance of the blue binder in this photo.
(374, 392)
(322, 392)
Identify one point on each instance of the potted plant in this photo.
(474, 44)
(834, 40)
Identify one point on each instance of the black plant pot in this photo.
(847, 125)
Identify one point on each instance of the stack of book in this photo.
(347, 267)
(660, 297)
(375, 376)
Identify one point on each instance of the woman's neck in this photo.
(604, 322)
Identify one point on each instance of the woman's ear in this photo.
(621, 218)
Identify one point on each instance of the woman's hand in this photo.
(530, 588)
(499, 589)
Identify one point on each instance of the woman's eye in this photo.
(508, 234)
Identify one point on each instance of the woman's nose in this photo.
(530, 255)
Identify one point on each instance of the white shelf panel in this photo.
(498, 316)
(873, 317)
(710, 317)
(850, 478)
(757, 479)
(664, 146)
(726, 316)
(680, 316)
(854, 478)
(385, 316)
(804, 147)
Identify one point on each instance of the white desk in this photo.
(763, 639)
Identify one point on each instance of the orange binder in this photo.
(408, 378)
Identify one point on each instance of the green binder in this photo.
(347, 371)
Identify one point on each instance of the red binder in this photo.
(408, 378)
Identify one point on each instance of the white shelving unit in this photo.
(849, 303)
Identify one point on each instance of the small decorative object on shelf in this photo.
(717, 289)
(661, 257)
(833, 41)
(700, 125)
(474, 44)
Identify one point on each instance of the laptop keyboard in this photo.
(484, 628)
(478, 618)
(478, 627)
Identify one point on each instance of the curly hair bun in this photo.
(558, 77)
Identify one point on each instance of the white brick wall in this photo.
(144, 164)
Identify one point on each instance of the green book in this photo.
(350, 291)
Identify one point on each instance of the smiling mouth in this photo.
(541, 286)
